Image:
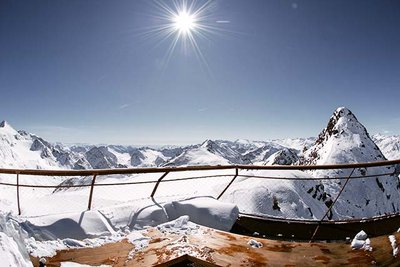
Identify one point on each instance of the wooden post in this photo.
(158, 183)
(230, 183)
(18, 203)
(91, 192)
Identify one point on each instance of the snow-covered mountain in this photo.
(389, 145)
(24, 150)
(345, 140)
(148, 157)
(208, 153)
(299, 144)
(285, 156)
(261, 154)
(19, 149)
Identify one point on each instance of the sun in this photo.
(184, 22)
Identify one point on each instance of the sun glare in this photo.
(184, 22)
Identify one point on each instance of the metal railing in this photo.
(95, 173)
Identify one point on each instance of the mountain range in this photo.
(346, 140)
(20, 149)
(343, 140)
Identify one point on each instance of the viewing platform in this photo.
(209, 247)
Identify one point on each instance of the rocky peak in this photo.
(3, 124)
(344, 140)
(343, 121)
(284, 156)
(210, 145)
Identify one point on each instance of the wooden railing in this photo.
(166, 170)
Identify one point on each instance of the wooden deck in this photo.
(209, 247)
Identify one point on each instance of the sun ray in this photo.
(185, 24)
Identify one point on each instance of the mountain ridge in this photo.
(343, 140)
(211, 152)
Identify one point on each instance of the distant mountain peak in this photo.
(342, 121)
(242, 141)
(208, 144)
(7, 128)
(343, 111)
(344, 140)
(4, 124)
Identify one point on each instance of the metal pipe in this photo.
(195, 168)
(18, 201)
(230, 183)
(91, 192)
(157, 184)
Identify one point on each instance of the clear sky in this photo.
(92, 71)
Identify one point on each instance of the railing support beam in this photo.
(18, 201)
(157, 184)
(230, 183)
(331, 206)
(91, 192)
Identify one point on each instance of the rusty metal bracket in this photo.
(157, 184)
(91, 192)
(18, 200)
(230, 183)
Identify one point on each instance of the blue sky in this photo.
(90, 71)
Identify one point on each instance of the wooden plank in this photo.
(114, 254)
(217, 248)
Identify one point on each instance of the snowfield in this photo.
(42, 236)
(56, 218)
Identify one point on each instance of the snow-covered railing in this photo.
(239, 171)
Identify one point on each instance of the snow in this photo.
(152, 157)
(138, 239)
(361, 235)
(283, 199)
(136, 215)
(284, 156)
(10, 255)
(202, 210)
(199, 156)
(82, 225)
(361, 241)
(346, 140)
(255, 244)
(296, 143)
(43, 235)
(221, 216)
(123, 158)
(47, 224)
(12, 245)
(182, 245)
(15, 151)
(389, 145)
(181, 225)
(393, 243)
